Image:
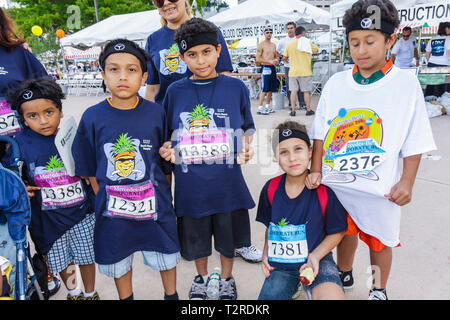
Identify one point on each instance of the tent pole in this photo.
(329, 55)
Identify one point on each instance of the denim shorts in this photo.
(282, 284)
(156, 260)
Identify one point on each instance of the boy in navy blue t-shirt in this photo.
(62, 219)
(116, 146)
(303, 226)
(209, 116)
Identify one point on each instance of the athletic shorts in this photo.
(230, 230)
(303, 84)
(373, 243)
(76, 245)
(270, 81)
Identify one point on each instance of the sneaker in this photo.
(93, 297)
(269, 110)
(292, 114)
(249, 254)
(310, 113)
(347, 279)
(198, 289)
(302, 107)
(262, 110)
(53, 286)
(228, 289)
(377, 294)
(79, 296)
(298, 292)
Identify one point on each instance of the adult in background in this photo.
(299, 52)
(405, 50)
(166, 66)
(16, 65)
(267, 56)
(438, 55)
(290, 28)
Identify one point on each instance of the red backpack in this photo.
(321, 193)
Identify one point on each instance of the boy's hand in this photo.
(167, 152)
(244, 157)
(312, 262)
(266, 267)
(313, 180)
(30, 190)
(401, 193)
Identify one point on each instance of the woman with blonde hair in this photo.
(166, 65)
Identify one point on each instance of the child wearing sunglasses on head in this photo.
(367, 120)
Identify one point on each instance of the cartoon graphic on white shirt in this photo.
(352, 147)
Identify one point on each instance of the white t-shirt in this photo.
(404, 51)
(365, 129)
(282, 45)
(439, 46)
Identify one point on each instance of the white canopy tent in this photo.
(74, 53)
(249, 19)
(133, 26)
(412, 13)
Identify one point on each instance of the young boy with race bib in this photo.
(62, 206)
(209, 116)
(367, 119)
(303, 225)
(116, 146)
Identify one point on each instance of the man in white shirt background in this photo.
(290, 29)
(405, 50)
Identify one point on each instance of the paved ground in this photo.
(420, 267)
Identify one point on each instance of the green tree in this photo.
(52, 15)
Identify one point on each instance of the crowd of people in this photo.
(127, 149)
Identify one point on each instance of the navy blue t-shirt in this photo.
(165, 65)
(15, 66)
(208, 119)
(133, 206)
(305, 210)
(63, 201)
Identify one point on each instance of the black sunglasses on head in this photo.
(160, 3)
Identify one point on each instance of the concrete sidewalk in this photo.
(420, 268)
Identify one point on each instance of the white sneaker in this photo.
(249, 254)
(269, 109)
(377, 294)
(262, 110)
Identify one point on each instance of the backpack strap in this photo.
(322, 194)
(273, 185)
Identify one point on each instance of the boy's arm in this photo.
(150, 91)
(327, 244)
(248, 151)
(94, 184)
(401, 192)
(314, 178)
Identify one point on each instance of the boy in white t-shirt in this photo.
(368, 118)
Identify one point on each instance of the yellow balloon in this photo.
(36, 30)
